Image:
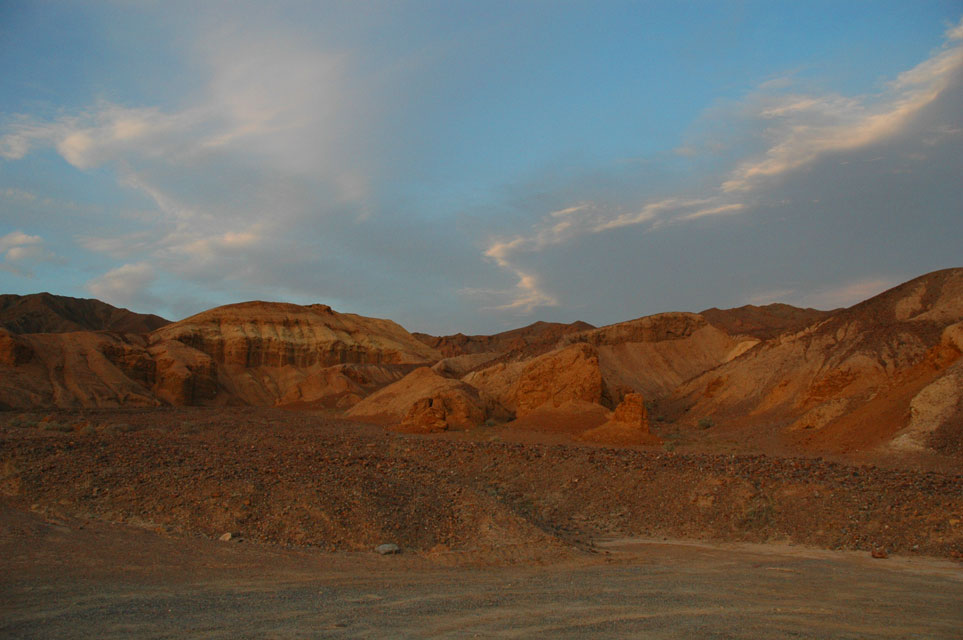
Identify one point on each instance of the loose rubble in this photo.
(282, 477)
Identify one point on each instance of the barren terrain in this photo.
(752, 472)
(309, 479)
(110, 524)
(70, 579)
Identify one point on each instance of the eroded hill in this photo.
(884, 375)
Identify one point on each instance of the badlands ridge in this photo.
(883, 375)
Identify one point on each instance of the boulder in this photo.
(424, 401)
(565, 375)
(629, 425)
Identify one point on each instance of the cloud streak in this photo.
(126, 286)
(798, 130)
(271, 136)
(19, 250)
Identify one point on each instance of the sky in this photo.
(477, 166)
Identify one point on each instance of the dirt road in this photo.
(76, 579)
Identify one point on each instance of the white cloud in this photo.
(799, 130)
(126, 286)
(714, 211)
(275, 134)
(955, 32)
(17, 239)
(559, 227)
(802, 128)
(527, 295)
(20, 249)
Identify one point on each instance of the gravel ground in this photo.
(67, 579)
(303, 479)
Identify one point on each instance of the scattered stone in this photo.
(388, 549)
(227, 537)
(879, 554)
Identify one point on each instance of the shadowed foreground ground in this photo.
(74, 579)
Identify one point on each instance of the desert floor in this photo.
(66, 579)
(109, 527)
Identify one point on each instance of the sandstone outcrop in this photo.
(569, 374)
(629, 425)
(184, 376)
(286, 354)
(13, 350)
(274, 334)
(655, 354)
(424, 401)
(449, 409)
(251, 353)
(565, 375)
(81, 369)
(459, 366)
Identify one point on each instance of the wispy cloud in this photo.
(272, 136)
(126, 286)
(528, 294)
(847, 294)
(799, 129)
(20, 250)
(828, 297)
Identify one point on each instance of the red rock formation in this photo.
(847, 382)
(456, 408)
(569, 374)
(425, 401)
(82, 369)
(273, 334)
(184, 376)
(13, 351)
(629, 425)
(252, 353)
(655, 354)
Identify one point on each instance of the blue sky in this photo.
(476, 166)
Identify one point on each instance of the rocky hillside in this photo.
(531, 340)
(765, 322)
(885, 372)
(47, 313)
(251, 353)
(883, 375)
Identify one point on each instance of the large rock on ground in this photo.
(185, 376)
(629, 425)
(424, 401)
(456, 408)
(569, 374)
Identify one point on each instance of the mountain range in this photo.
(885, 374)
